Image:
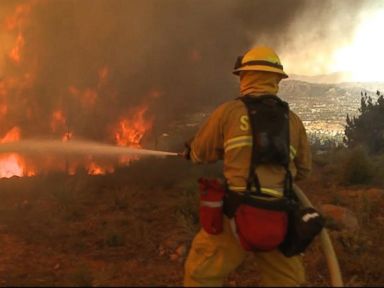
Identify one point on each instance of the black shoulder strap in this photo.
(251, 104)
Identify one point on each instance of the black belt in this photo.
(232, 200)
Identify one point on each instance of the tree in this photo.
(367, 129)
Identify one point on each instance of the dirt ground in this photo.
(134, 228)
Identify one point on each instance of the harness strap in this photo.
(253, 179)
(258, 199)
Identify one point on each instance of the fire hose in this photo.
(326, 244)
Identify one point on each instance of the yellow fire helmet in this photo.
(259, 58)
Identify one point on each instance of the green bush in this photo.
(357, 167)
(379, 170)
(367, 129)
(331, 163)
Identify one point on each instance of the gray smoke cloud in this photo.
(182, 49)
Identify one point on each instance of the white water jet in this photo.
(76, 147)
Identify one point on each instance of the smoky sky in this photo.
(183, 49)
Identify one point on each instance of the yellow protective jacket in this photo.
(227, 135)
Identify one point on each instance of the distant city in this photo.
(324, 107)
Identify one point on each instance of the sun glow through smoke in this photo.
(363, 58)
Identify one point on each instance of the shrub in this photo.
(379, 170)
(114, 239)
(367, 129)
(357, 167)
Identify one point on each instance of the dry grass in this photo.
(106, 230)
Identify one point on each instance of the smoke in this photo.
(96, 60)
(322, 28)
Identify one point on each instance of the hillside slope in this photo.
(133, 228)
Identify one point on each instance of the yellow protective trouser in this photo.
(213, 257)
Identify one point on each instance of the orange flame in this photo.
(94, 169)
(58, 121)
(67, 136)
(12, 135)
(15, 54)
(131, 131)
(18, 21)
(11, 164)
(19, 17)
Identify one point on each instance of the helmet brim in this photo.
(261, 68)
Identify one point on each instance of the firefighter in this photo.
(226, 135)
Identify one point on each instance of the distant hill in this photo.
(346, 93)
(337, 77)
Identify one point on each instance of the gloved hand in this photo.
(187, 150)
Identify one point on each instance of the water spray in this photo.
(77, 147)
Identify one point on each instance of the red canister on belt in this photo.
(211, 205)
